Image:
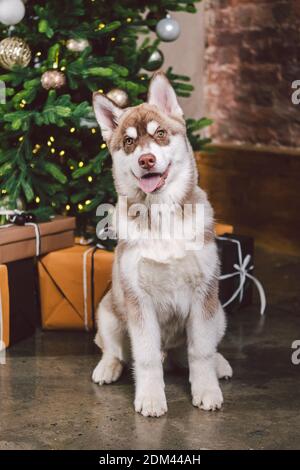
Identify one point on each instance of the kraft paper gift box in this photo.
(72, 283)
(20, 242)
(4, 308)
(19, 310)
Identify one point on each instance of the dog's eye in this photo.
(128, 141)
(161, 133)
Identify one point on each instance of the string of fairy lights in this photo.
(50, 144)
(50, 141)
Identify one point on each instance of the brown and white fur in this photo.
(162, 294)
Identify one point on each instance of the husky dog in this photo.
(162, 294)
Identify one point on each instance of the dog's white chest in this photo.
(169, 277)
(170, 284)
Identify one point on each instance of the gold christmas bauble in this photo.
(53, 79)
(118, 96)
(77, 45)
(14, 51)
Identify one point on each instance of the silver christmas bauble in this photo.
(168, 29)
(154, 60)
(53, 79)
(118, 96)
(77, 45)
(11, 12)
(14, 51)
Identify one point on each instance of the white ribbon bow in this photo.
(242, 270)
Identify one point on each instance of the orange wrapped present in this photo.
(220, 229)
(72, 283)
(4, 308)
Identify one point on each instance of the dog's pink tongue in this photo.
(149, 184)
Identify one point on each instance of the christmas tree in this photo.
(52, 159)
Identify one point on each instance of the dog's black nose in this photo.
(147, 161)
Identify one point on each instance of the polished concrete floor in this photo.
(47, 400)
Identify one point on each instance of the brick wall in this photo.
(252, 55)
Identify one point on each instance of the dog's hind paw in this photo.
(107, 371)
(224, 370)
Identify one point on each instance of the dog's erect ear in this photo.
(107, 114)
(162, 95)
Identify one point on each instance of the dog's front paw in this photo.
(107, 371)
(208, 399)
(151, 403)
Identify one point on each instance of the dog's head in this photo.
(150, 151)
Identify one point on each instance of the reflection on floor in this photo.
(48, 400)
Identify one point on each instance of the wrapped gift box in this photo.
(72, 283)
(233, 250)
(4, 307)
(19, 310)
(220, 229)
(20, 242)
